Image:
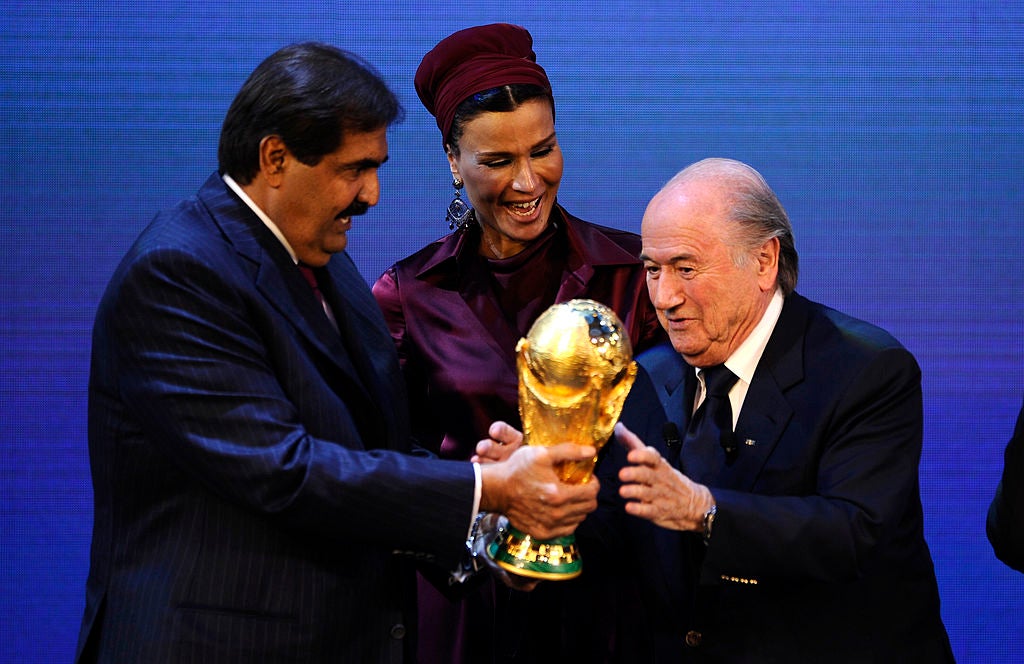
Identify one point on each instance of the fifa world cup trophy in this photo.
(575, 369)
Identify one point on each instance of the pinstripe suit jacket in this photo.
(818, 550)
(251, 465)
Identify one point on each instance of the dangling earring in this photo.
(459, 213)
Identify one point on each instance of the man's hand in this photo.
(504, 440)
(525, 488)
(656, 491)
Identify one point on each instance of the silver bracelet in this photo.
(471, 564)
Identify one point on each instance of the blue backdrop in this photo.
(892, 132)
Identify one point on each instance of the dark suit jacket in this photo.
(250, 463)
(1005, 523)
(817, 552)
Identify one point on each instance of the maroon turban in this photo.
(474, 60)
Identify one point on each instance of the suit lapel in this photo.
(667, 550)
(279, 281)
(347, 294)
(758, 431)
(372, 350)
(766, 412)
(763, 419)
(285, 288)
(668, 375)
(675, 384)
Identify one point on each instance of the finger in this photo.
(627, 438)
(571, 498)
(581, 497)
(571, 452)
(643, 510)
(631, 492)
(634, 477)
(487, 450)
(560, 505)
(504, 433)
(647, 457)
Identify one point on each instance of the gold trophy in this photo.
(575, 369)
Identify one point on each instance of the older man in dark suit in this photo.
(776, 509)
(248, 431)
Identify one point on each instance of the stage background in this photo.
(892, 132)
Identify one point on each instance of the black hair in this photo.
(310, 94)
(496, 100)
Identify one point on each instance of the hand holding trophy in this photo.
(575, 370)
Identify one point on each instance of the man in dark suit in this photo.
(792, 530)
(1005, 523)
(248, 431)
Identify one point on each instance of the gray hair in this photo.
(756, 212)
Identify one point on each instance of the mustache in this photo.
(354, 210)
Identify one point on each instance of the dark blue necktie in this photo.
(709, 437)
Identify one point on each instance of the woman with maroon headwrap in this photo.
(457, 307)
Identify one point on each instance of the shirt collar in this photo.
(743, 362)
(230, 182)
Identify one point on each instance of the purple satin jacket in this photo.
(457, 347)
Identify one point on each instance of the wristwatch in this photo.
(709, 522)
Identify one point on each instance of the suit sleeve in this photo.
(197, 371)
(1005, 524)
(859, 493)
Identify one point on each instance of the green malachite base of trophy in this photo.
(552, 560)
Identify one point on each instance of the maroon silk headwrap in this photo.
(474, 60)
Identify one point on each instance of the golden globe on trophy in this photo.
(575, 369)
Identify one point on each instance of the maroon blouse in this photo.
(456, 317)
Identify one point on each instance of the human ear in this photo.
(452, 162)
(768, 264)
(273, 155)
